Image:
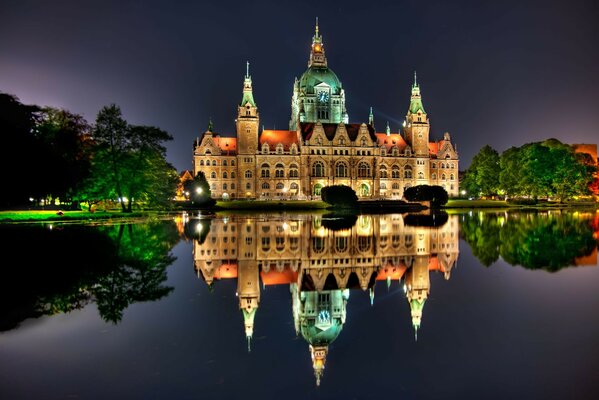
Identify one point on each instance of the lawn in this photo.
(51, 215)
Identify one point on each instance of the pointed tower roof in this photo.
(319, 357)
(248, 96)
(248, 322)
(416, 99)
(388, 129)
(371, 118)
(317, 56)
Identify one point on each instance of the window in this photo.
(420, 175)
(383, 152)
(280, 186)
(232, 163)
(318, 244)
(265, 172)
(383, 171)
(341, 243)
(363, 142)
(395, 186)
(383, 186)
(265, 185)
(341, 170)
(443, 177)
(279, 148)
(265, 149)
(213, 175)
(214, 163)
(224, 163)
(293, 173)
(224, 186)
(294, 186)
(201, 162)
(395, 172)
(433, 176)
(279, 173)
(225, 175)
(232, 186)
(248, 174)
(318, 169)
(395, 151)
(451, 177)
(232, 175)
(293, 149)
(407, 173)
(213, 186)
(363, 170)
(248, 186)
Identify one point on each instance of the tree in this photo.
(199, 191)
(482, 177)
(435, 194)
(339, 195)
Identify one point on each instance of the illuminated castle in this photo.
(322, 148)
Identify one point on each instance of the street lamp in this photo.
(199, 190)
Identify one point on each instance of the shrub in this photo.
(435, 194)
(339, 195)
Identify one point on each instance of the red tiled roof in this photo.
(394, 139)
(226, 143)
(273, 138)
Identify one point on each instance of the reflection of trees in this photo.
(534, 241)
(71, 266)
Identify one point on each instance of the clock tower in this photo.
(417, 123)
(248, 119)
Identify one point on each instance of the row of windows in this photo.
(215, 163)
(442, 165)
(225, 175)
(279, 149)
(280, 186)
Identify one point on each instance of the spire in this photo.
(317, 57)
(371, 118)
(416, 100)
(388, 129)
(249, 344)
(371, 296)
(210, 126)
(415, 80)
(248, 96)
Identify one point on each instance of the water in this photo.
(476, 305)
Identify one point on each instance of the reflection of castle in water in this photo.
(320, 265)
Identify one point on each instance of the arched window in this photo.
(451, 177)
(420, 175)
(265, 185)
(383, 171)
(213, 175)
(224, 186)
(265, 171)
(395, 172)
(434, 176)
(407, 173)
(433, 165)
(207, 152)
(318, 169)
(225, 175)
(279, 172)
(293, 172)
(265, 148)
(341, 170)
(293, 149)
(363, 170)
(279, 148)
(213, 186)
(232, 175)
(232, 163)
(363, 142)
(395, 186)
(201, 162)
(442, 165)
(248, 174)
(383, 151)
(280, 186)
(395, 152)
(383, 186)
(443, 177)
(214, 163)
(248, 186)
(232, 186)
(224, 163)
(294, 186)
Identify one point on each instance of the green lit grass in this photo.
(51, 215)
(477, 204)
(268, 205)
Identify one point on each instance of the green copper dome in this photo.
(316, 75)
(316, 336)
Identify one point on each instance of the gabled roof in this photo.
(307, 128)
(273, 138)
(394, 139)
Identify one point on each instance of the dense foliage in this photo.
(548, 169)
(199, 191)
(339, 195)
(534, 241)
(109, 161)
(435, 194)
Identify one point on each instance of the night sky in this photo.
(503, 73)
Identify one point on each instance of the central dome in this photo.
(316, 75)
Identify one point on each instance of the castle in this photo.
(322, 148)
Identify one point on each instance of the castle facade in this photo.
(321, 148)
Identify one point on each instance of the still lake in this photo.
(489, 305)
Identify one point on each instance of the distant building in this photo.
(590, 149)
(322, 148)
(184, 177)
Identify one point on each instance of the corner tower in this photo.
(248, 118)
(318, 94)
(417, 125)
